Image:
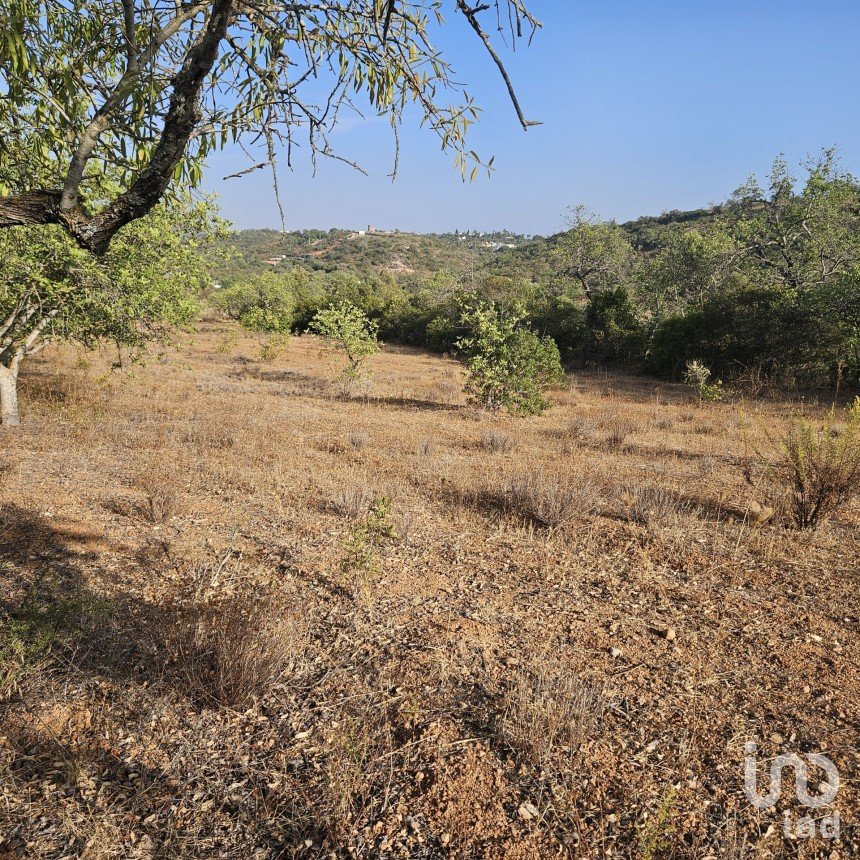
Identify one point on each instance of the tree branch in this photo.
(118, 97)
(182, 118)
(32, 207)
(470, 15)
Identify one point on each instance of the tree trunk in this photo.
(9, 416)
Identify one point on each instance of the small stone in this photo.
(777, 738)
(615, 652)
(512, 661)
(528, 811)
(445, 838)
(667, 633)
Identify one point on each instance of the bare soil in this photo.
(263, 617)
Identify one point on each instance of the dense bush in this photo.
(262, 303)
(762, 330)
(509, 365)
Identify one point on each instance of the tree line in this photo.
(763, 288)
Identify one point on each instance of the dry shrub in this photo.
(363, 740)
(580, 428)
(426, 447)
(229, 650)
(618, 427)
(653, 505)
(447, 392)
(209, 436)
(354, 502)
(498, 441)
(160, 495)
(359, 441)
(616, 438)
(550, 499)
(814, 469)
(333, 446)
(548, 714)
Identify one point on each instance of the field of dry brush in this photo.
(249, 615)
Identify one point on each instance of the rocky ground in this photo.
(247, 614)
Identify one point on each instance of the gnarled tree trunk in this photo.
(9, 416)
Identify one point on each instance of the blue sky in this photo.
(645, 107)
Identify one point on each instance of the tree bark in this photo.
(9, 416)
(33, 207)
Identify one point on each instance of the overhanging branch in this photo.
(470, 14)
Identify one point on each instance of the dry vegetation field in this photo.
(249, 616)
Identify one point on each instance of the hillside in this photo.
(407, 254)
(254, 251)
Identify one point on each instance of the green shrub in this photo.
(262, 303)
(824, 465)
(698, 376)
(509, 365)
(790, 339)
(350, 330)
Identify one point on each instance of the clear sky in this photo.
(646, 107)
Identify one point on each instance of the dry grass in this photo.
(547, 498)
(498, 441)
(230, 650)
(161, 497)
(653, 505)
(237, 700)
(548, 714)
(353, 502)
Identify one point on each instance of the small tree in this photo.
(348, 329)
(50, 289)
(509, 365)
(698, 376)
(594, 254)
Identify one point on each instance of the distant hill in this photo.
(415, 254)
(253, 251)
(644, 233)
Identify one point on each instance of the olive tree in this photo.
(147, 88)
(51, 289)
